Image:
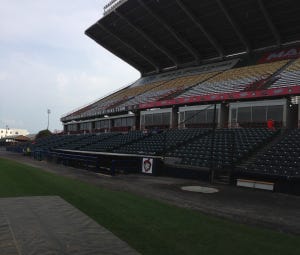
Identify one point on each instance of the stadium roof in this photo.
(159, 35)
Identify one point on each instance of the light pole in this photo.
(48, 112)
(212, 145)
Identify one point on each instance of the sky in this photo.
(47, 62)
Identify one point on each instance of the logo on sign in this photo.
(147, 165)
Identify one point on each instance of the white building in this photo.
(12, 132)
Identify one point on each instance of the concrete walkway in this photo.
(50, 225)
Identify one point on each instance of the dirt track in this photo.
(280, 212)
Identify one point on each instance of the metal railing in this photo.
(112, 5)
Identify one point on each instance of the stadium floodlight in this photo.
(48, 112)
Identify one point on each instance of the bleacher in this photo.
(246, 78)
(234, 80)
(158, 143)
(114, 141)
(282, 160)
(51, 142)
(289, 77)
(168, 87)
(84, 141)
(192, 146)
(121, 96)
(229, 147)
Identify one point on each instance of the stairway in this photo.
(223, 177)
(192, 86)
(267, 82)
(171, 94)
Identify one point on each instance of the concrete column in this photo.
(299, 115)
(292, 115)
(223, 115)
(137, 120)
(174, 117)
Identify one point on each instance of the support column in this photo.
(174, 117)
(298, 115)
(223, 115)
(137, 120)
(292, 120)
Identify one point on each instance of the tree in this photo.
(43, 133)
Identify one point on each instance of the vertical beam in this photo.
(270, 22)
(181, 40)
(135, 65)
(234, 26)
(150, 61)
(147, 38)
(196, 21)
(212, 146)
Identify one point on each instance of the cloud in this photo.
(12, 123)
(3, 76)
(46, 61)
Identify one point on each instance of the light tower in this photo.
(48, 112)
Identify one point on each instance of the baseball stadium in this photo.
(216, 110)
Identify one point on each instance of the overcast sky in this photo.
(47, 62)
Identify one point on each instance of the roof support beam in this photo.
(135, 65)
(147, 59)
(181, 40)
(270, 22)
(234, 26)
(143, 34)
(196, 21)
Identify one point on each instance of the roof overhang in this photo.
(158, 36)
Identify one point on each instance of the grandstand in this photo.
(213, 73)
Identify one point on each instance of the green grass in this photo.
(149, 226)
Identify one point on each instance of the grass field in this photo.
(149, 226)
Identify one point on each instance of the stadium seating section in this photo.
(235, 80)
(229, 147)
(168, 88)
(289, 77)
(193, 147)
(281, 160)
(276, 153)
(248, 78)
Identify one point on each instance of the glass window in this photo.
(259, 113)
(233, 115)
(117, 122)
(148, 119)
(201, 116)
(275, 112)
(130, 121)
(166, 117)
(210, 116)
(244, 114)
(124, 122)
(157, 119)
